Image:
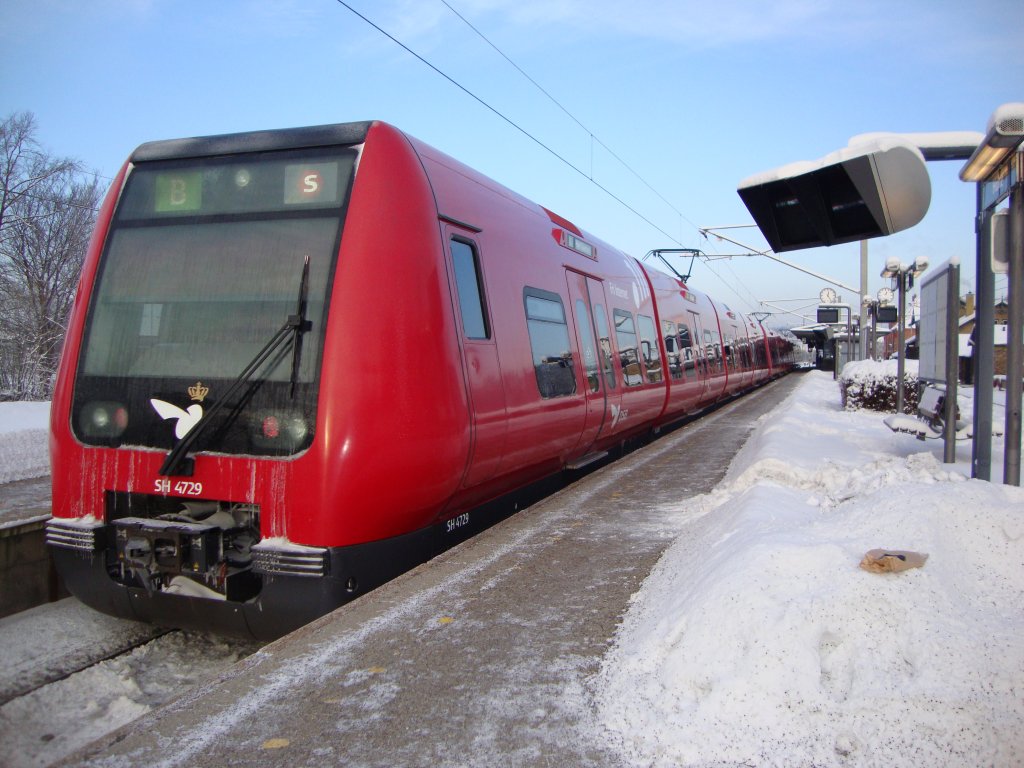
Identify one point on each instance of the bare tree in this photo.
(47, 210)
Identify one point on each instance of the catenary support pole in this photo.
(984, 341)
(863, 296)
(1015, 339)
(952, 372)
(901, 342)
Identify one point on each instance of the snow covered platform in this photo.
(24, 501)
(27, 576)
(485, 650)
(665, 611)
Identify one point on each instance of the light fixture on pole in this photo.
(998, 169)
(1005, 133)
(902, 276)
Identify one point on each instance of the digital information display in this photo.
(239, 185)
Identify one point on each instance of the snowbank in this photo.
(24, 450)
(872, 384)
(758, 640)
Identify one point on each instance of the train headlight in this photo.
(103, 419)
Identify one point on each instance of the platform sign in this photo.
(828, 315)
(873, 188)
(938, 328)
(887, 314)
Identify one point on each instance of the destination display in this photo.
(238, 186)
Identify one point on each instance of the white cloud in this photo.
(691, 22)
(699, 24)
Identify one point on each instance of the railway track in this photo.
(71, 675)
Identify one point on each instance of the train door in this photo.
(586, 295)
(700, 356)
(483, 370)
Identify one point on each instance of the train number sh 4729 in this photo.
(166, 485)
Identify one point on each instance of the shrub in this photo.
(872, 384)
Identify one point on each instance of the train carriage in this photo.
(302, 361)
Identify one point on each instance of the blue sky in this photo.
(693, 96)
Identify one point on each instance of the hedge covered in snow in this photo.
(871, 384)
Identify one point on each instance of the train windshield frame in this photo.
(202, 265)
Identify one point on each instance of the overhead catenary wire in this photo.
(608, 149)
(570, 115)
(589, 177)
(480, 100)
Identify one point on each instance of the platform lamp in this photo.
(1005, 133)
(998, 169)
(903, 276)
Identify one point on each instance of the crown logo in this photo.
(197, 391)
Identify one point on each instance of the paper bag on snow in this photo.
(891, 560)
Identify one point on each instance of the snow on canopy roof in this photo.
(935, 145)
(932, 140)
(878, 143)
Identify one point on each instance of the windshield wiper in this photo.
(177, 462)
(302, 324)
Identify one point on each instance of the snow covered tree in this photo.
(47, 211)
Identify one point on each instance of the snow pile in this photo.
(758, 640)
(872, 384)
(23, 441)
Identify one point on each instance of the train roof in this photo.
(253, 141)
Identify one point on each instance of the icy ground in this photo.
(757, 639)
(40, 728)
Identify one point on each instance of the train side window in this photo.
(711, 353)
(549, 343)
(471, 297)
(605, 342)
(649, 348)
(673, 350)
(687, 349)
(629, 357)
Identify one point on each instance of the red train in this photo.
(301, 361)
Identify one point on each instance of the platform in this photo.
(479, 657)
(27, 575)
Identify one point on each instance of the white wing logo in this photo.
(186, 418)
(617, 415)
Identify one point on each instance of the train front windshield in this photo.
(203, 264)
